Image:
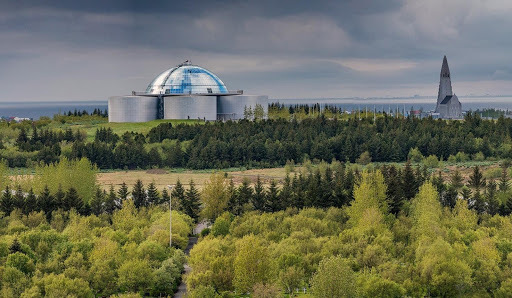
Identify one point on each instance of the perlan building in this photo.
(184, 92)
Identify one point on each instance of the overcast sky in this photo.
(90, 50)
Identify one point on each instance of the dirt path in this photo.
(182, 289)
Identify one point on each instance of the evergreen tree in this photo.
(96, 202)
(192, 201)
(19, 199)
(45, 202)
(394, 191)
(59, 198)
(456, 180)
(272, 203)
(409, 184)
(30, 202)
(123, 192)
(165, 197)
(73, 201)
(285, 194)
(233, 205)
(503, 185)
(476, 179)
(478, 203)
(139, 194)
(111, 201)
(466, 193)
(178, 196)
(245, 192)
(492, 202)
(153, 196)
(258, 199)
(7, 202)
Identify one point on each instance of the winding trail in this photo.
(182, 289)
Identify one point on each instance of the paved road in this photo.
(182, 289)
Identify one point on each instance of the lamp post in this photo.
(170, 214)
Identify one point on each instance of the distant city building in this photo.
(448, 104)
(184, 92)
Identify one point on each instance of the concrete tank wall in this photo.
(231, 107)
(132, 108)
(190, 107)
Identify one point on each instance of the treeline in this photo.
(71, 255)
(269, 143)
(361, 249)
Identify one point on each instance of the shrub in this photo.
(415, 155)
(364, 158)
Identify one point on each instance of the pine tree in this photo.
(59, 198)
(272, 203)
(45, 202)
(233, 206)
(245, 192)
(30, 202)
(139, 194)
(111, 202)
(178, 196)
(73, 201)
(477, 180)
(258, 199)
(456, 180)
(7, 203)
(409, 184)
(465, 193)
(123, 192)
(286, 193)
(165, 197)
(153, 196)
(19, 199)
(503, 186)
(193, 201)
(96, 202)
(394, 191)
(478, 203)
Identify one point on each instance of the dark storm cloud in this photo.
(274, 47)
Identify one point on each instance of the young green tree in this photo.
(252, 263)
(214, 197)
(369, 193)
(334, 278)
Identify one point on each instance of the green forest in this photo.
(347, 222)
(261, 143)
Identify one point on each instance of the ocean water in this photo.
(35, 110)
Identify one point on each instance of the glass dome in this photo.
(186, 79)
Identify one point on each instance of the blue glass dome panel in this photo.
(186, 79)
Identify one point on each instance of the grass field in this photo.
(162, 178)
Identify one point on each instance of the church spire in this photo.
(445, 70)
(445, 83)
